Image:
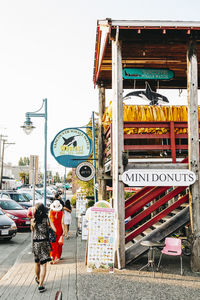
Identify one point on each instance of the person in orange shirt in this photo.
(57, 218)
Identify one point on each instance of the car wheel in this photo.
(8, 239)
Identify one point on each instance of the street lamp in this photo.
(28, 127)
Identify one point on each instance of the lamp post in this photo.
(28, 127)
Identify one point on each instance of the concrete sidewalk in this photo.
(70, 276)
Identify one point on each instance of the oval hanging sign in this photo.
(70, 147)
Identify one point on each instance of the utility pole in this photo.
(2, 159)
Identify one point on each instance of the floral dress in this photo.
(41, 245)
(56, 218)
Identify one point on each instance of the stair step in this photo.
(137, 238)
(129, 244)
(157, 225)
(166, 218)
(147, 231)
(184, 205)
(175, 211)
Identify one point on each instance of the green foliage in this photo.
(73, 200)
(128, 194)
(56, 178)
(90, 203)
(69, 177)
(24, 161)
(24, 177)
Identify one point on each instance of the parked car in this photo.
(16, 212)
(50, 196)
(28, 193)
(17, 196)
(8, 228)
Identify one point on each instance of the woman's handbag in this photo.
(52, 236)
(61, 240)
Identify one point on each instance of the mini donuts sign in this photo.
(164, 177)
(70, 147)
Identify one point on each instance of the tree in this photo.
(69, 177)
(24, 161)
(24, 177)
(56, 178)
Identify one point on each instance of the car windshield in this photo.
(1, 213)
(19, 197)
(10, 205)
(29, 196)
(40, 192)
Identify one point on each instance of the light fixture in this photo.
(28, 126)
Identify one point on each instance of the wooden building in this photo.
(168, 45)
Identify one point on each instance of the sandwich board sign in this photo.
(70, 147)
(101, 238)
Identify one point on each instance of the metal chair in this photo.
(173, 246)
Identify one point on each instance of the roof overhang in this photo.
(145, 44)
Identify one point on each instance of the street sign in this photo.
(70, 147)
(85, 171)
(158, 177)
(140, 73)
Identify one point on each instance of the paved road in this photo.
(10, 250)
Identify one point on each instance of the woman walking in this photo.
(67, 217)
(57, 218)
(41, 245)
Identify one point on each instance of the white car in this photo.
(38, 199)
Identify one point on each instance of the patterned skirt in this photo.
(41, 251)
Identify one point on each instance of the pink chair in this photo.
(172, 247)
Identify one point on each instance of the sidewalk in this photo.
(70, 276)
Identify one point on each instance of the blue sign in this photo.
(142, 73)
(70, 147)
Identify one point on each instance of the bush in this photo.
(73, 200)
(90, 203)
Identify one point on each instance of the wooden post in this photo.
(101, 173)
(117, 149)
(193, 151)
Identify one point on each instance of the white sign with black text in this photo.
(158, 177)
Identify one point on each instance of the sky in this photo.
(47, 51)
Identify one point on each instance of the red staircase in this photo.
(150, 209)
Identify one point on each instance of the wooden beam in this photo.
(168, 166)
(101, 172)
(117, 149)
(193, 150)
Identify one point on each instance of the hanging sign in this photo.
(164, 177)
(70, 147)
(156, 74)
(85, 171)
